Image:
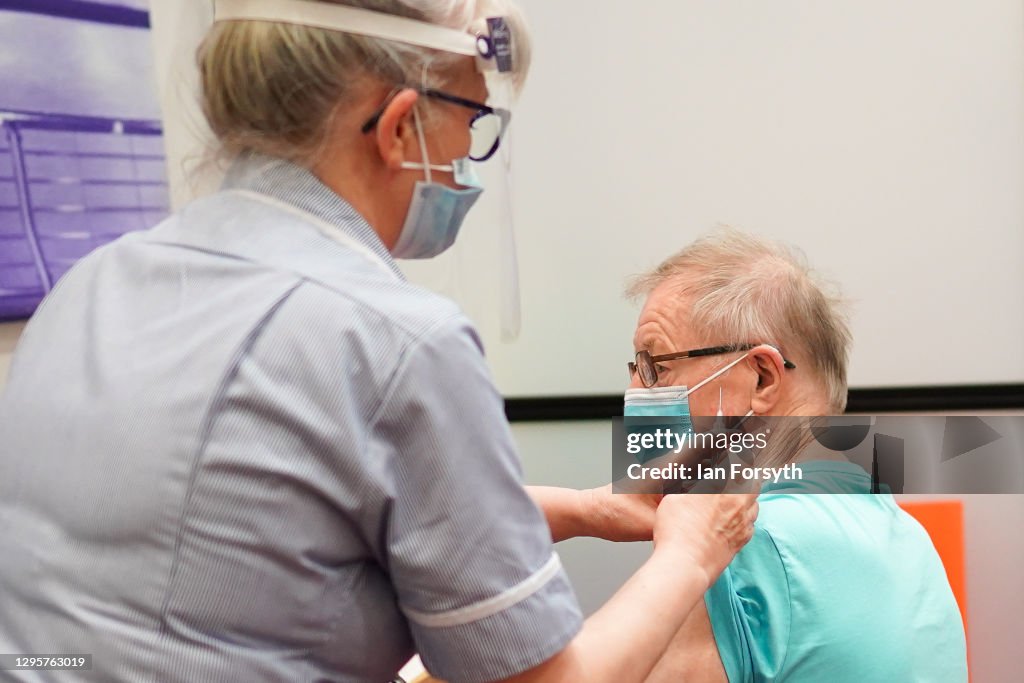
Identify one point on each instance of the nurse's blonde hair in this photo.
(273, 88)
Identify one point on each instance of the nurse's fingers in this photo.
(710, 528)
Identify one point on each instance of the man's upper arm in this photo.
(750, 611)
(692, 656)
(741, 629)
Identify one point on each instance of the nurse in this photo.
(241, 447)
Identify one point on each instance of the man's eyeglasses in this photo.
(645, 363)
(486, 128)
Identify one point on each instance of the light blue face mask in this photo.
(437, 211)
(671, 402)
(671, 405)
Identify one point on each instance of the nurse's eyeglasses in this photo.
(486, 128)
(645, 363)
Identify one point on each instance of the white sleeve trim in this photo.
(490, 606)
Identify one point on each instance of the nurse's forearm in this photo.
(629, 634)
(564, 510)
(623, 640)
(596, 512)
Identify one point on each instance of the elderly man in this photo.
(832, 587)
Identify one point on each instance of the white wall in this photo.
(883, 137)
(177, 31)
(577, 454)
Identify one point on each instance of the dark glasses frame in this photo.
(504, 115)
(644, 361)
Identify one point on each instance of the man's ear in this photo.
(396, 131)
(768, 366)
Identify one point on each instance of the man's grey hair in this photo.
(750, 289)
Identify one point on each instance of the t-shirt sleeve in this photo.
(468, 552)
(750, 611)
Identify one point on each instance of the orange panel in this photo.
(944, 522)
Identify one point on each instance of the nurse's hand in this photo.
(596, 512)
(708, 528)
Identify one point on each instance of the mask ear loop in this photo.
(720, 416)
(718, 373)
(420, 136)
(423, 142)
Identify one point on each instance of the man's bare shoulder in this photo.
(692, 656)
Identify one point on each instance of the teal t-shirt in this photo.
(837, 587)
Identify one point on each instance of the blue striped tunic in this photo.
(241, 447)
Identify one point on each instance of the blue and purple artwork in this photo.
(81, 152)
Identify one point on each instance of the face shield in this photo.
(490, 42)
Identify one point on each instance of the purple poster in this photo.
(81, 153)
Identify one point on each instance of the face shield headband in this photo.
(490, 41)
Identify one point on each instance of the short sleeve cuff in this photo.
(506, 639)
(725, 617)
(750, 611)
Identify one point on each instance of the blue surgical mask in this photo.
(670, 402)
(436, 211)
